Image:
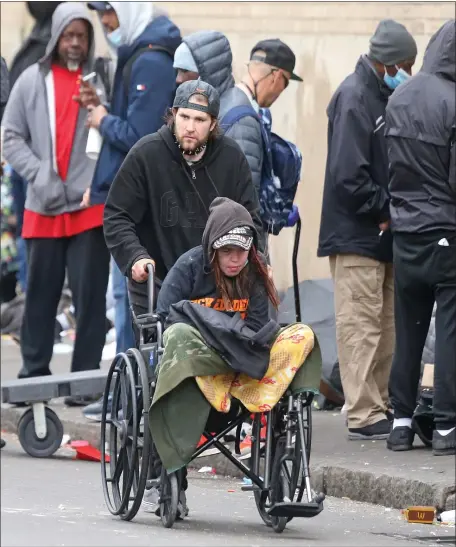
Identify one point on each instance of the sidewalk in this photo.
(361, 471)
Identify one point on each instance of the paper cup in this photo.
(94, 142)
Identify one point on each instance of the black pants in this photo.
(86, 258)
(424, 273)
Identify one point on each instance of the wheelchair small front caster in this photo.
(40, 431)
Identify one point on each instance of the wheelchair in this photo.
(280, 450)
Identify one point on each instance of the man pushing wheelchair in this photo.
(222, 355)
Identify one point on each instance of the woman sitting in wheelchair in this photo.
(220, 346)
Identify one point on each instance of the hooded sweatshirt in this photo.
(30, 129)
(192, 277)
(211, 52)
(158, 205)
(421, 135)
(139, 110)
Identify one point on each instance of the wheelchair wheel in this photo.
(169, 498)
(120, 428)
(144, 439)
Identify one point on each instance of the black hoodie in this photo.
(191, 277)
(158, 206)
(34, 47)
(421, 136)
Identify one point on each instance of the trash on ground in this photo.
(447, 517)
(207, 470)
(420, 514)
(65, 440)
(85, 451)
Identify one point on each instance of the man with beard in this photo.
(159, 201)
(45, 140)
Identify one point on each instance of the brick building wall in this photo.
(327, 38)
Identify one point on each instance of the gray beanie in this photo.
(392, 43)
(184, 60)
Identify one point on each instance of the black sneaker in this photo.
(401, 439)
(2, 443)
(375, 432)
(444, 445)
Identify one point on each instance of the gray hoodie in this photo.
(30, 132)
(211, 52)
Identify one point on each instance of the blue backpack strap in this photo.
(236, 114)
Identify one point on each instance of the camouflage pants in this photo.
(182, 341)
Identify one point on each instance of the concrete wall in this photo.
(327, 38)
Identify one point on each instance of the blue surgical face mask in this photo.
(395, 81)
(115, 37)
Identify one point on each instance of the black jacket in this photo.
(192, 278)
(158, 207)
(421, 135)
(242, 348)
(34, 46)
(355, 195)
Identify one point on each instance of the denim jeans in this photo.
(122, 322)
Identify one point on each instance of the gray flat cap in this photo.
(392, 43)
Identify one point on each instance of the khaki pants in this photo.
(364, 305)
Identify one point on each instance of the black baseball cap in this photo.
(197, 87)
(278, 54)
(99, 6)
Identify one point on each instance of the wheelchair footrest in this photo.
(290, 509)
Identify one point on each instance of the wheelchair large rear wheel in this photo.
(127, 448)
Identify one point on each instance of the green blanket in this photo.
(179, 411)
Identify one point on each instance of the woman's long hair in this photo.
(241, 285)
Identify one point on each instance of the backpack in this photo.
(281, 170)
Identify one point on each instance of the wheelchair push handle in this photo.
(150, 268)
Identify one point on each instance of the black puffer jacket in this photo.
(212, 54)
(421, 135)
(355, 195)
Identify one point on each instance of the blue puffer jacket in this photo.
(139, 112)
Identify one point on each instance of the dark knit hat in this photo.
(392, 43)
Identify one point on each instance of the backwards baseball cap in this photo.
(278, 54)
(99, 6)
(197, 87)
(392, 43)
(242, 236)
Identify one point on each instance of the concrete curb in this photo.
(337, 481)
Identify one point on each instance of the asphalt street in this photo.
(59, 501)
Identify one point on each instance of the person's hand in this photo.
(384, 226)
(87, 95)
(139, 271)
(270, 272)
(95, 116)
(85, 199)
